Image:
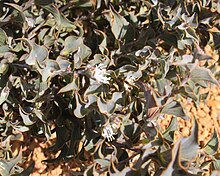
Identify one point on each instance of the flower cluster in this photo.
(101, 75)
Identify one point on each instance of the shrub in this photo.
(99, 74)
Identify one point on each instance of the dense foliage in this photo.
(99, 73)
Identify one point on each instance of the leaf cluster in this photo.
(99, 74)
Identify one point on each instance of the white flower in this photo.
(101, 76)
(108, 133)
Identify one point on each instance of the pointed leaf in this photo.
(118, 24)
(212, 145)
(21, 128)
(150, 148)
(164, 86)
(62, 135)
(4, 94)
(84, 52)
(27, 118)
(105, 107)
(103, 44)
(3, 37)
(28, 170)
(61, 20)
(37, 54)
(174, 164)
(69, 87)
(169, 133)
(202, 74)
(92, 99)
(189, 147)
(52, 69)
(74, 140)
(117, 97)
(40, 115)
(81, 56)
(103, 162)
(7, 167)
(96, 88)
(216, 38)
(61, 156)
(80, 110)
(173, 107)
(216, 164)
(71, 44)
(63, 64)
(184, 60)
(175, 167)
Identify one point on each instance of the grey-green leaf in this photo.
(173, 107)
(29, 170)
(189, 147)
(3, 37)
(175, 168)
(80, 110)
(118, 97)
(212, 145)
(37, 55)
(7, 167)
(61, 20)
(27, 118)
(202, 74)
(96, 88)
(106, 107)
(52, 69)
(216, 164)
(71, 44)
(4, 94)
(169, 133)
(69, 87)
(118, 24)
